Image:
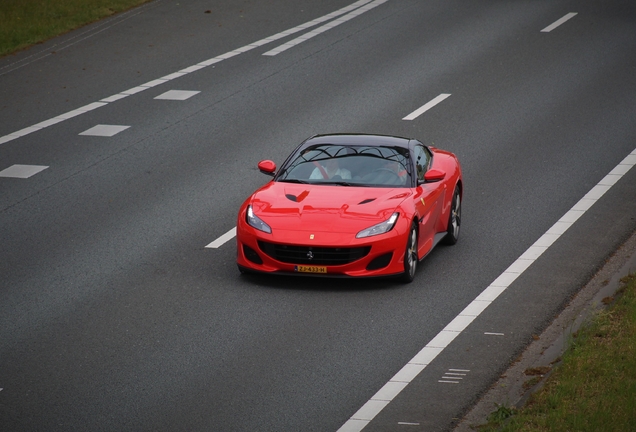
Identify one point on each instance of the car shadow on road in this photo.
(319, 283)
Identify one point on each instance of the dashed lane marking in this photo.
(179, 95)
(104, 130)
(22, 171)
(223, 239)
(558, 22)
(427, 106)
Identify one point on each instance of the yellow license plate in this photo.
(310, 269)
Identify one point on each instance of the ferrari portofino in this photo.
(351, 205)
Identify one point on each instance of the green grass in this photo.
(594, 388)
(27, 22)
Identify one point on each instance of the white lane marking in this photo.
(373, 406)
(558, 22)
(173, 75)
(179, 95)
(105, 101)
(104, 130)
(8, 138)
(154, 83)
(312, 23)
(26, 131)
(427, 106)
(325, 27)
(454, 376)
(400, 423)
(90, 107)
(22, 171)
(134, 90)
(114, 98)
(76, 112)
(493, 334)
(223, 239)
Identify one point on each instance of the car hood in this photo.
(341, 209)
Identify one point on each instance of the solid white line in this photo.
(223, 239)
(71, 114)
(91, 106)
(558, 22)
(135, 90)
(172, 76)
(313, 23)
(26, 131)
(209, 62)
(48, 123)
(193, 68)
(325, 27)
(114, 98)
(418, 112)
(153, 83)
(369, 410)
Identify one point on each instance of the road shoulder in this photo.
(512, 389)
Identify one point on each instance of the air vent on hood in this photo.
(301, 196)
(366, 201)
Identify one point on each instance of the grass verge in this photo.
(594, 388)
(27, 22)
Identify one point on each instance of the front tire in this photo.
(454, 219)
(410, 256)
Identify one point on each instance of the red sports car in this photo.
(351, 205)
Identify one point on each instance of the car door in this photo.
(427, 199)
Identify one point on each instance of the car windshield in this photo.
(374, 166)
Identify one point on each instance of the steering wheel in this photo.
(392, 178)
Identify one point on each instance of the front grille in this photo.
(311, 255)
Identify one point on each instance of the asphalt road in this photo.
(115, 316)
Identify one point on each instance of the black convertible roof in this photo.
(358, 139)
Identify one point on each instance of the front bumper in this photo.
(337, 255)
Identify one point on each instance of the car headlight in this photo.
(380, 228)
(257, 222)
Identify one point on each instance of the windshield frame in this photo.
(358, 165)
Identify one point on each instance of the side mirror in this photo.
(434, 175)
(267, 167)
